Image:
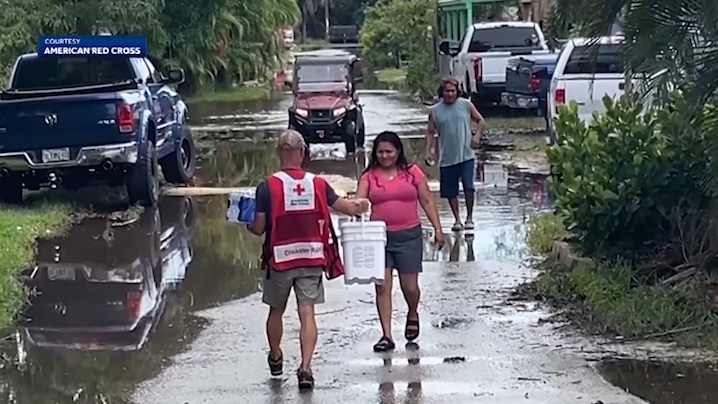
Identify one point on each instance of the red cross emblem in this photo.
(299, 189)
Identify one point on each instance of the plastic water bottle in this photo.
(241, 207)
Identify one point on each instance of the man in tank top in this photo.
(451, 119)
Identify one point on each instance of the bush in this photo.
(625, 181)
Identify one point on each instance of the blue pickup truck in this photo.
(527, 82)
(76, 122)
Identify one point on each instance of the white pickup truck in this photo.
(586, 75)
(479, 60)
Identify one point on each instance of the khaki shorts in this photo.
(307, 284)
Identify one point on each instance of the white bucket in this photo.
(364, 249)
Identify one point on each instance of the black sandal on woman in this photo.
(411, 332)
(384, 344)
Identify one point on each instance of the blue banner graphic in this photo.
(92, 46)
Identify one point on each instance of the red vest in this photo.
(299, 235)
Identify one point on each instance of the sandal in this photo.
(411, 331)
(275, 365)
(384, 344)
(305, 379)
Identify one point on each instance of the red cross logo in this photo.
(299, 189)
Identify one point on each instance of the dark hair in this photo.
(402, 164)
(450, 80)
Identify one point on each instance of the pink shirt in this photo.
(395, 201)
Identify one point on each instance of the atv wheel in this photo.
(350, 137)
(143, 185)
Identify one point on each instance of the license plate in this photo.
(56, 155)
(61, 274)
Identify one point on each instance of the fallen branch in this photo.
(654, 335)
(680, 276)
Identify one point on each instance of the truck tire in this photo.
(10, 191)
(143, 186)
(178, 167)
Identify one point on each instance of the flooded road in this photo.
(383, 110)
(166, 309)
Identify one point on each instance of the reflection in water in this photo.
(411, 374)
(497, 237)
(109, 309)
(662, 382)
(227, 258)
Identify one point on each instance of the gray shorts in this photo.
(404, 250)
(306, 282)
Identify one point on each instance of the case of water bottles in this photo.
(240, 207)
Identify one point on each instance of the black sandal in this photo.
(384, 344)
(411, 332)
(275, 365)
(305, 379)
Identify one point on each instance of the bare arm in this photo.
(430, 138)
(477, 118)
(426, 199)
(351, 207)
(259, 225)
(363, 188)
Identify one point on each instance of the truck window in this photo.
(584, 60)
(508, 37)
(50, 73)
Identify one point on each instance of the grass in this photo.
(19, 228)
(543, 229)
(239, 94)
(389, 76)
(607, 297)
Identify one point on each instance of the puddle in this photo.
(662, 382)
(113, 305)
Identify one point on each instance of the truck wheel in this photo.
(143, 186)
(179, 166)
(10, 191)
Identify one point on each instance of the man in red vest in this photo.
(293, 211)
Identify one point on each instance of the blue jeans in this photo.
(450, 176)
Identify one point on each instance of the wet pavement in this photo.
(383, 110)
(167, 310)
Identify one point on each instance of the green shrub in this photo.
(621, 180)
(542, 230)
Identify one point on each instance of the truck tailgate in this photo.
(588, 92)
(493, 64)
(64, 121)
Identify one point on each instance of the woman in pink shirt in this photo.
(395, 189)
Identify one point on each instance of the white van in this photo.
(584, 76)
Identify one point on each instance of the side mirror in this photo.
(449, 47)
(174, 76)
